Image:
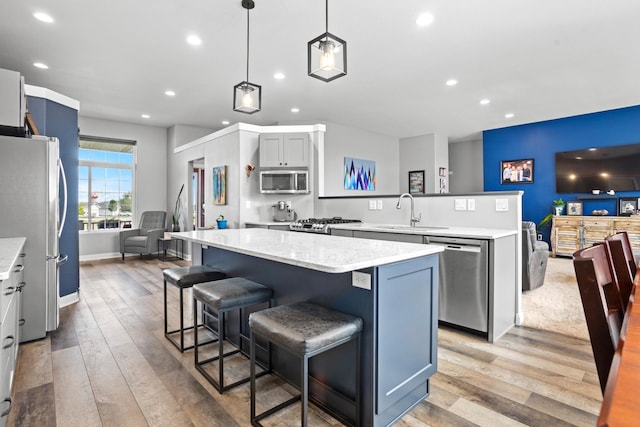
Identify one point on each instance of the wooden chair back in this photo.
(623, 262)
(601, 303)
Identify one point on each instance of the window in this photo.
(105, 183)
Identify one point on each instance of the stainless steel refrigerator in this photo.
(31, 183)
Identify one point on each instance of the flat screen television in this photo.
(604, 168)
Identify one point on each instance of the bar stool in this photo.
(304, 330)
(220, 297)
(183, 278)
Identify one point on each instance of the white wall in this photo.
(342, 141)
(466, 167)
(150, 177)
(424, 152)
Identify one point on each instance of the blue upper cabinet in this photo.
(57, 116)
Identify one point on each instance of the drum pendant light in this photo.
(327, 54)
(247, 97)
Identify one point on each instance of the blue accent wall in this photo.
(57, 120)
(540, 141)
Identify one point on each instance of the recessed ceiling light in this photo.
(295, 110)
(452, 82)
(509, 115)
(485, 101)
(424, 20)
(145, 116)
(41, 16)
(40, 65)
(593, 149)
(278, 76)
(169, 93)
(225, 122)
(194, 40)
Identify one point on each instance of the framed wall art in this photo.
(359, 174)
(416, 182)
(220, 185)
(516, 171)
(574, 208)
(627, 206)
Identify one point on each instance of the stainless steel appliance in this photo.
(284, 181)
(464, 282)
(318, 225)
(30, 176)
(282, 211)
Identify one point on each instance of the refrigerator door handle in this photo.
(61, 259)
(64, 186)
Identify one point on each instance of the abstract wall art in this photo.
(359, 174)
(220, 185)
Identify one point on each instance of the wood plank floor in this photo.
(109, 365)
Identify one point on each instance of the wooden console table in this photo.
(572, 233)
(621, 398)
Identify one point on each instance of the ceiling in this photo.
(536, 59)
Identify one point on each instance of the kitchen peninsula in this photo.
(392, 286)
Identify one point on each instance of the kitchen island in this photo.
(392, 286)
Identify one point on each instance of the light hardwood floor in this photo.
(109, 365)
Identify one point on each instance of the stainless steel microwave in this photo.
(284, 181)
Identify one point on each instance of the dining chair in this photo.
(623, 263)
(601, 303)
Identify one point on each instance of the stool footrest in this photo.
(271, 411)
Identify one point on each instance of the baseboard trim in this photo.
(69, 299)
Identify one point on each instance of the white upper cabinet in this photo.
(284, 150)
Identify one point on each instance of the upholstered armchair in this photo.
(535, 254)
(144, 239)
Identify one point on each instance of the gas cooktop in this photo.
(318, 225)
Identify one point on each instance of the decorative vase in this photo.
(222, 223)
(175, 228)
(559, 210)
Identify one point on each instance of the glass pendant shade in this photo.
(327, 57)
(247, 97)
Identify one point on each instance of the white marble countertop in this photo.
(331, 254)
(268, 223)
(10, 249)
(424, 230)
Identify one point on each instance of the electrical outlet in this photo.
(379, 205)
(247, 204)
(361, 280)
(372, 205)
(471, 204)
(460, 205)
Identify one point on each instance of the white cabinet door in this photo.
(271, 150)
(295, 150)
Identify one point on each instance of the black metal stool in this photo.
(304, 330)
(183, 278)
(220, 297)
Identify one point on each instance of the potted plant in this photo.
(175, 218)
(222, 223)
(558, 206)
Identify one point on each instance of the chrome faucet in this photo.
(413, 217)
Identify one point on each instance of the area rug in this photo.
(556, 305)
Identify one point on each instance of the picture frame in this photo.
(520, 171)
(416, 182)
(627, 206)
(219, 185)
(574, 208)
(442, 171)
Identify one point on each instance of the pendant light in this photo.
(327, 54)
(247, 97)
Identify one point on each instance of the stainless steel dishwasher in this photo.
(464, 282)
